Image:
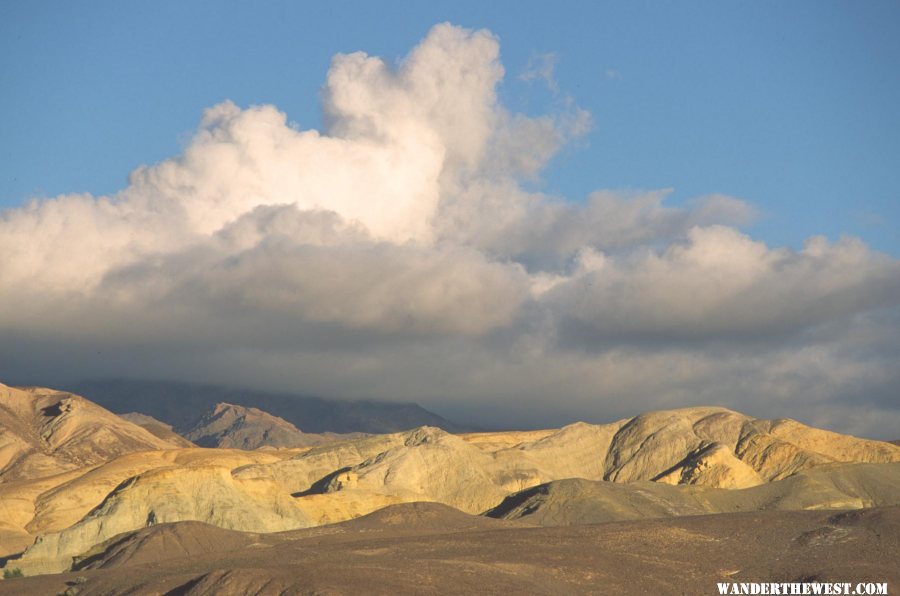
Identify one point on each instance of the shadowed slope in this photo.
(182, 540)
(236, 427)
(157, 428)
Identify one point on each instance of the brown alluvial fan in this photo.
(78, 481)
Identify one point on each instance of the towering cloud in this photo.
(398, 254)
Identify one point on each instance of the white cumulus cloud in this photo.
(399, 253)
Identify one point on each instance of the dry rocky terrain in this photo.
(427, 548)
(113, 500)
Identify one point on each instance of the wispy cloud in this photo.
(612, 73)
(541, 68)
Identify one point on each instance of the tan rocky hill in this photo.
(43, 506)
(699, 446)
(208, 494)
(45, 432)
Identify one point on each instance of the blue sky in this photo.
(791, 106)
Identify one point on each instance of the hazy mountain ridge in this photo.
(182, 405)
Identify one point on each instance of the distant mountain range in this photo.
(182, 405)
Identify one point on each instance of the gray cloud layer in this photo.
(397, 254)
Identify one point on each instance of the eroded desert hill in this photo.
(44, 432)
(675, 462)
